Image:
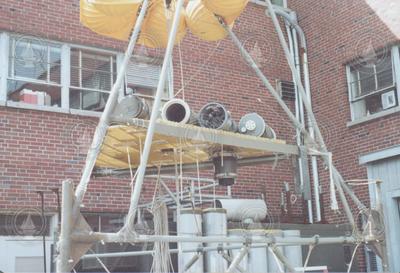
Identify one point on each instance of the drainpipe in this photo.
(291, 18)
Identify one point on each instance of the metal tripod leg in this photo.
(102, 126)
(154, 115)
(64, 244)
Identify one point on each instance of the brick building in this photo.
(354, 66)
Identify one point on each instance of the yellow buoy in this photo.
(203, 23)
(226, 8)
(155, 29)
(116, 19)
(111, 18)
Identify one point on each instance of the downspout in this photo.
(299, 111)
(291, 18)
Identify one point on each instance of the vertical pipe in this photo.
(41, 194)
(190, 224)
(338, 178)
(102, 126)
(293, 253)
(215, 224)
(314, 162)
(64, 244)
(154, 114)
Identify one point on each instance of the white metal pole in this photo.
(292, 118)
(102, 126)
(314, 162)
(338, 178)
(64, 243)
(238, 258)
(154, 114)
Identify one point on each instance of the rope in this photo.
(161, 256)
(352, 258)
(198, 180)
(181, 68)
(100, 262)
(310, 249)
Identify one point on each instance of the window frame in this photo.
(65, 76)
(5, 76)
(355, 116)
(113, 56)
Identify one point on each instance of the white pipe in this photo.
(64, 244)
(154, 115)
(118, 238)
(238, 258)
(314, 162)
(102, 127)
(339, 181)
(301, 108)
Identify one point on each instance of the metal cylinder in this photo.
(235, 233)
(215, 116)
(274, 265)
(132, 106)
(258, 257)
(293, 253)
(225, 168)
(254, 125)
(177, 110)
(244, 209)
(190, 224)
(214, 224)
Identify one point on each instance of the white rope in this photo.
(161, 256)
(310, 249)
(278, 262)
(198, 180)
(352, 258)
(100, 262)
(181, 68)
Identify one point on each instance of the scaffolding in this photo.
(76, 236)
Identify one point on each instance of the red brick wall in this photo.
(40, 149)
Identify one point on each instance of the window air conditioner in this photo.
(388, 100)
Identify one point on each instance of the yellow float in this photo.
(116, 19)
(203, 23)
(226, 8)
(111, 18)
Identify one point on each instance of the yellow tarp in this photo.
(196, 144)
(116, 19)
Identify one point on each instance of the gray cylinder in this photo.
(273, 263)
(293, 253)
(132, 107)
(189, 225)
(258, 257)
(214, 224)
(253, 124)
(225, 168)
(215, 116)
(177, 110)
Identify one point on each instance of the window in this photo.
(30, 223)
(372, 84)
(52, 76)
(34, 72)
(92, 77)
(105, 222)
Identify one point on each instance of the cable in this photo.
(352, 258)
